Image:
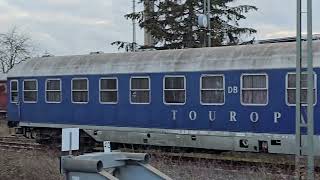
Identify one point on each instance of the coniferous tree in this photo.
(173, 23)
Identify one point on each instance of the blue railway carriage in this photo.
(239, 98)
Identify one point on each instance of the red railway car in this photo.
(3, 95)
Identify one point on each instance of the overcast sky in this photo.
(80, 26)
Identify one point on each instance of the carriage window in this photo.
(14, 92)
(108, 90)
(80, 90)
(212, 89)
(174, 90)
(291, 88)
(53, 90)
(140, 90)
(254, 89)
(30, 91)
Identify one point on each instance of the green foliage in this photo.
(127, 46)
(173, 23)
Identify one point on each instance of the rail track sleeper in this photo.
(266, 160)
(10, 146)
(17, 139)
(22, 143)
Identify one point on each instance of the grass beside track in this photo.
(4, 130)
(33, 165)
(39, 165)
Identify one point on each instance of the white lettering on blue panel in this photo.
(174, 114)
(276, 116)
(232, 89)
(254, 117)
(233, 116)
(192, 115)
(210, 115)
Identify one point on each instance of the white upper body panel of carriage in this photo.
(244, 57)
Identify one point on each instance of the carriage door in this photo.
(14, 113)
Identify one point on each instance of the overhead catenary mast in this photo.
(204, 22)
(309, 140)
(148, 7)
(134, 41)
(209, 22)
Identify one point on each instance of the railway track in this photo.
(18, 143)
(231, 158)
(272, 165)
(231, 162)
(241, 157)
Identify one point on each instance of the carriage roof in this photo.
(251, 57)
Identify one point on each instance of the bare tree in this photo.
(15, 47)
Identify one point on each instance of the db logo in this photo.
(232, 89)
